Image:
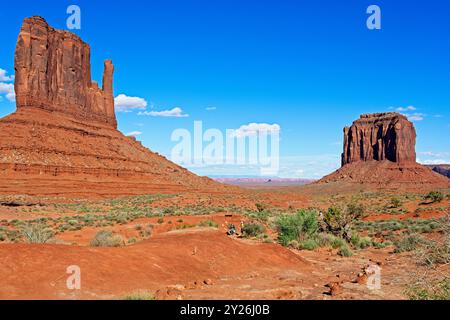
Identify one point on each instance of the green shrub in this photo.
(356, 210)
(168, 211)
(325, 239)
(309, 244)
(339, 221)
(336, 242)
(208, 223)
(395, 202)
(408, 243)
(438, 251)
(345, 251)
(434, 196)
(37, 233)
(294, 244)
(139, 295)
(439, 290)
(185, 226)
(260, 207)
(252, 229)
(147, 231)
(299, 226)
(361, 242)
(72, 222)
(380, 245)
(106, 238)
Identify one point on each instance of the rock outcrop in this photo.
(380, 136)
(53, 72)
(62, 140)
(379, 152)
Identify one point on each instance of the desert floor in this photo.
(175, 246)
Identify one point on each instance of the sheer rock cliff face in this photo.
(380, 136)
(53, 72)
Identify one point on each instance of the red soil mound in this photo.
(182, 257)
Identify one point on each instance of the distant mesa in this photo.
(62, 140)
(379, 150)
(443, 169)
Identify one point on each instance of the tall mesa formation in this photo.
(379, 151)
(380, 136)
(63, 140)
(53, 72)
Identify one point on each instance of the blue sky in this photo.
(309, 66)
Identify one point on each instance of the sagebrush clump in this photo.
(106, 238)
(37, 233)
(309, 229)
(252, 229)
(434, 196)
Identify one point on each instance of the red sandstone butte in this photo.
(379, 150)
(380, 136)
(53, 72)
(62, 140)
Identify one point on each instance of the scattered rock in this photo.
(335, 288)
(169, 293)
(361, 278)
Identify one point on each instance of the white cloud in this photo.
(210, 108)
(431, 157)
(123, 103)
(4, 77)
(133, 133)
(434, 161)
(175, 113)
(403, 109)
(406, 111)
(8, 90)
(415, 116)
(252, 129)
(435, 154)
